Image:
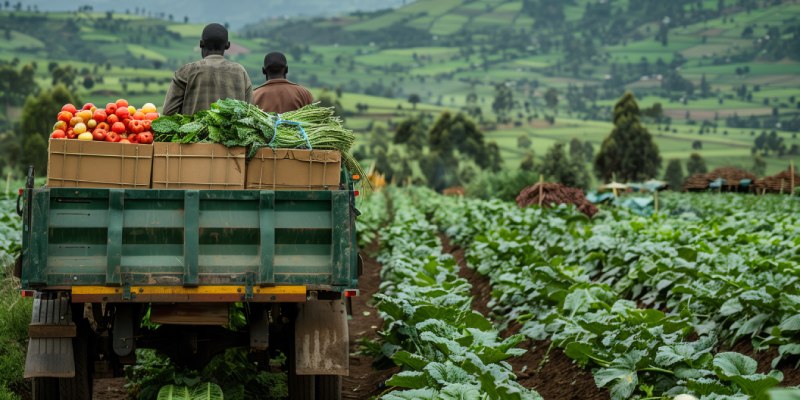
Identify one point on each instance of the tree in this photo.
(503, 101)
(557, 167)
(705, 88)
(88, 82)
(16, 86)
(588, 151)
(414, 98)
(413, 132)
(674, 174)
(759, 167)
(697, 145)
(528, 163)
(524, 142)
(65, 75)
(36, 123)
(696, 164)
(629, 152)
(576, 150)
(551, 98)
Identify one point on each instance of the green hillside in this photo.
(723, 72)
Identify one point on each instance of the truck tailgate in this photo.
(131, 237)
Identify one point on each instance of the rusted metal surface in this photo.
(321, 337)
(52, 331)
(190, 314)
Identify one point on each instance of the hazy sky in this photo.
(236, 12)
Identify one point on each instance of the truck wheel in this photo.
(301, 387)
(329, 387)
(79, 387)
(44, 389)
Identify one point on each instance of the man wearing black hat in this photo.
(278, 94)
(196, 85)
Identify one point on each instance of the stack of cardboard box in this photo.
(86, 164)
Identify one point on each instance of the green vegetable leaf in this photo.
(730, 364)
(409, 379)
(790, 324)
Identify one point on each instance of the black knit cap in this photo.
(274, 60)
(215, 34)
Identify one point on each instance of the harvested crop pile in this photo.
(697, 181)
(779, 183)
(547, 194)
(731, 175)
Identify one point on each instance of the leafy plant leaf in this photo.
(409, 379)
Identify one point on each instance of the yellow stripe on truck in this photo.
(210, 293)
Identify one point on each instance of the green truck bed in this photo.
(189, 238)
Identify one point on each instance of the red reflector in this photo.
(21, 190)
(351, 292)
(355, 192)
(28, 293)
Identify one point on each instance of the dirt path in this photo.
(364, 381)
(109, 389)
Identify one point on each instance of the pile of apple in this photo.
(117, 122)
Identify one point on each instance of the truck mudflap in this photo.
(321, 338)
(51, 330)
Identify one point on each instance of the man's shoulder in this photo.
(190, 66)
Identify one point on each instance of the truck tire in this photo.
(329, 387)
(79, 387)
(301, 387)
(44, 389)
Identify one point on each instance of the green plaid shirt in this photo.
(196, 85)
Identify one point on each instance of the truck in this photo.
(111, 270)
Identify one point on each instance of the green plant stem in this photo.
(656, 369)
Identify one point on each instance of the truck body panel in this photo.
(189, 238)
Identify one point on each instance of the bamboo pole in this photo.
(791, 175)
(8, 183)
(541, 188)
(655, 195)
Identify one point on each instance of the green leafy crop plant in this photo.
(645, 302)
(446, 350)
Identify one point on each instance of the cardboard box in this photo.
(91, 164)
(294, 169)
(198, 166)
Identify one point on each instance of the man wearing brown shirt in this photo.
(196, 85)
(278, 94)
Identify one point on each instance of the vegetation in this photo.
(629, 152)
(674, 174)
(446, 349)
(15, 312)
(583, 293)
(231, 371)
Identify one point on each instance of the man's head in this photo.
(214, 40)
(275, 65)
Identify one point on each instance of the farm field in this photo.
(471, 297)
(651, 307)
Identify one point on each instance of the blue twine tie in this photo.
(287, 122)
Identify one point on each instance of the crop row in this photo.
(446, 350)
(10, 231)
(624, 294)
